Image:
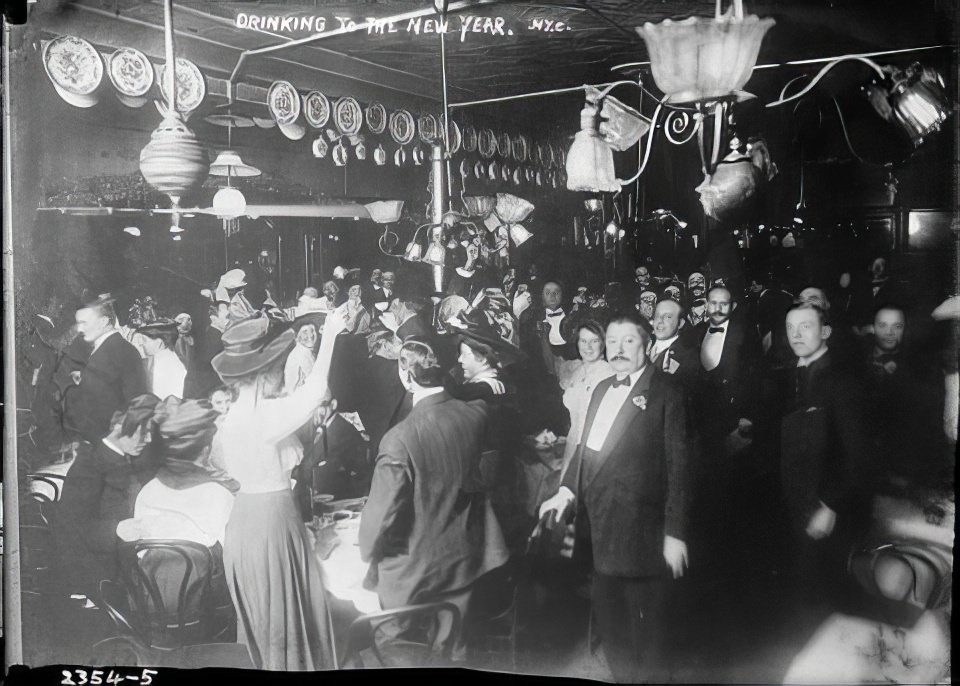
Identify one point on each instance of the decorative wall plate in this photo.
(503, 145)
(428, 127)
(130, 72)
(347, 115)
(469, 139)
(402, 127)
(549, 158)
(506, 172)
(486, 143)
(191, 87)
(75, 68)
(519, 148)
(283, 102)
(464, 168)
(478, 170)
(456, 138)
(316, 109)
(535, 153)
(493, 171)
(376, 118)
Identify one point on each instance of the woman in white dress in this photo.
(273, 576)
(578, 378)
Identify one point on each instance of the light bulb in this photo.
(176, 228)
(133, 231)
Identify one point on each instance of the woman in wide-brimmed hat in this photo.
(274, 578)
(301, 359)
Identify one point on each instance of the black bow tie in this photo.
(625, 381)
(556, 313)
(715, 329)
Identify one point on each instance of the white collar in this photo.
(109, 444)
(490, 373)
(807, 361)
(104, 336)
(548, 311)
(666, 343)
(424, 393)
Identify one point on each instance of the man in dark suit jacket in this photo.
(825, 455)
(99, 492)
(113, 375)
(672, 351)
(629, 479)
(428, 527)
(201, 379)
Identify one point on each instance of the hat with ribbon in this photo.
(251, 345)
(477, 328)
(184, 429)
(159, 328)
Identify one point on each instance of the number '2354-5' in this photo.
(96, 677)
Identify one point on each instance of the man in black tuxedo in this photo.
(112, 376)
(544, 338)
(726, 405)
(730, 358)
(825, 455)
(627, 488)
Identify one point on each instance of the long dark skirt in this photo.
(275, 584)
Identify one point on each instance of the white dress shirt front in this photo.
(554, 322)
(610, 405)
(712, 347)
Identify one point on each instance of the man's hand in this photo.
(821, 523)
(675, 553)
(75, 378)
(558, 504)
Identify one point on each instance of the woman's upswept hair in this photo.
(420, 360)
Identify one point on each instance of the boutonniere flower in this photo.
(640, 401)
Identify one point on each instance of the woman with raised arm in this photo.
(274, 578)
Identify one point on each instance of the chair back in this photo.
(48, 484)
(435, 651)
(169, 583)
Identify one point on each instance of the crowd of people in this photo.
(674, 400)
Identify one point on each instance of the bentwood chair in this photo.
(131, 647)
(169, 585)
(439, 622)
(47, 484)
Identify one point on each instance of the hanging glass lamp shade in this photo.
(436, 254)
(228, 163)
(229, 203)
(590, 161)
(519, 234)
(920, 104)
(699, 58)
(173, 161)
(413, 252)
(480, 205)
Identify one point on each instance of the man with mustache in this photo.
(727, 404)
(626, 490)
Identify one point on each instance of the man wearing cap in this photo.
(626, 490)
(112, 376)
(230, 284)
(99, 491)
(167, 373)
(428, 528)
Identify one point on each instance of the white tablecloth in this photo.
(344, 571)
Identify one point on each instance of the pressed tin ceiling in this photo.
(506, 48)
